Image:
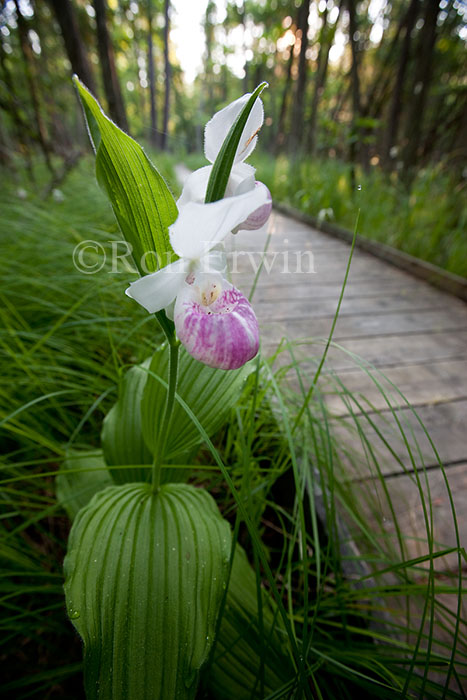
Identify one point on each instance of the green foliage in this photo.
(81, 475)
(65, 340)
(122, 435)
(209, 393)
(144, 578)
(251, 658)
(142, 203)
(428, 223)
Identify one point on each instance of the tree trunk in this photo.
(60, 136)
(241, 13)
(5, 151)
(34, 90)
(109, 71)
(11, 106)
(325, 42)
(280, 136)
(390, 138)
(74, 46)
(167, 70)
(377, 93)
(414, 120)
(208, 64)
(299, 102)
(354, 141)
(154, 135)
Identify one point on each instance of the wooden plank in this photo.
(307, 306)
(435, 275)
(417, 334)
(430, 383)
(407, 503)
(273, 289)
(289, 262)
(420, 384)
(386, 351)
(437, 420)
(365, 325)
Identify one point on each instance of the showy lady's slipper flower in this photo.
(213, 320)
(242, 176)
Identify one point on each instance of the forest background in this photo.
(366, 109)
(367, 105)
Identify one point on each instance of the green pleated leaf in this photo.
(145, 575)
(210, 393)
(222, 166)
(247, 649)
(122, 436)
(81, 475)
(142, 202)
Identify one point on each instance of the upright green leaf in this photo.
(210, 393)
(81, 475)
(222, 167)
(145, 575)
(141, 200)
(122, 436)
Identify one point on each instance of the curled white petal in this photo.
(200, 227)
(219, 126)
(257, 218)
(158, 290)
(194, 189)
(241, 180)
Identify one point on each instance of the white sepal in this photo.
(219, 126)
(157, 290)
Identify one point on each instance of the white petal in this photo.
(219, 126)
(257, 218)
(200, 227)
(158, 290)
(194, 189)
(241, 180)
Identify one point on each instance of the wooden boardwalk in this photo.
(415, 334)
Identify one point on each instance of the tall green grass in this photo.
(429, 223)
(368, 619)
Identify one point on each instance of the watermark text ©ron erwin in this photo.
(91, 257)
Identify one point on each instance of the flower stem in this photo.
(162, 437)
